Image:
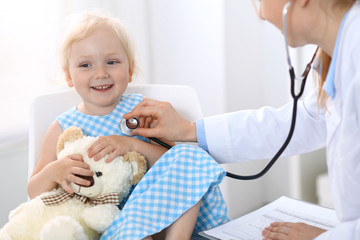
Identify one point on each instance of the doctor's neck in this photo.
(327, 21)
(326, 25)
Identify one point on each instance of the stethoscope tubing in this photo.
(160, 142)
(295, 97)
(283, 147)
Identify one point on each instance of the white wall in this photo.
(187, 47)
(13, 178)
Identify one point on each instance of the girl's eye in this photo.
(85, 65)
(112, 62)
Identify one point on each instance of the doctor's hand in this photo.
(161, 120)
(291, 231)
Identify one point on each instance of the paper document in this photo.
(284, 209)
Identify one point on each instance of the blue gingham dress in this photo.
(183, 176)
(106, 125)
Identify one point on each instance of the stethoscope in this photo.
(127, 126)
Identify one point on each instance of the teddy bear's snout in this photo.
(89, 178)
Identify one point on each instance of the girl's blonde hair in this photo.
(324, 60)
(87, 23)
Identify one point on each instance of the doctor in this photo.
(329, 116)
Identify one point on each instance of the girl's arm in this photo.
(116, 145)
(50, 171)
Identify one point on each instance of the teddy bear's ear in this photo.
(138, 164)
(69, 135)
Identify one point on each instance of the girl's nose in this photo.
(101, 73)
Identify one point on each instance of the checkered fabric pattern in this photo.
(100, 125)
(58, 198)
(181, 177)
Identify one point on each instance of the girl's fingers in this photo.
(96, 147)
(80, 181)
(107, 150)
(82, 171)
(112, 156)
(76, 157)
(66, 187)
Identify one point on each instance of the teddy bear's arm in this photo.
(101, 216)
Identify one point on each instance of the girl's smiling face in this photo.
(99, 71)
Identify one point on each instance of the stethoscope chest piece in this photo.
(127, 126)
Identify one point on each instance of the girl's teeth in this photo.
(101, 87)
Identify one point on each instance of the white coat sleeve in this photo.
(258, 134)
(347, 230)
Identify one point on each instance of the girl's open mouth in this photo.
(102, 87)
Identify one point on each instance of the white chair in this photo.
(44, 109)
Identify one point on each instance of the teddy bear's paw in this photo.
(16, 211)
(100, 217)
(62, 227)
(4, 235)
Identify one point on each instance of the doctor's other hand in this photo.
(291, 231)
(161, 120)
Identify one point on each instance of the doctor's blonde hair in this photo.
(83, 25)
(324, 59)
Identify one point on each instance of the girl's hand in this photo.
(160, 120)
(114, 145)
(66, 169)
(293, 231)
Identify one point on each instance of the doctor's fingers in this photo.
(276, 233)
(150, 108)
(148, 132)
(294, 231)
(147, 122)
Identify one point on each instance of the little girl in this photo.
(98, 61)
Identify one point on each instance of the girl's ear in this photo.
(130, 75)
(69, 80)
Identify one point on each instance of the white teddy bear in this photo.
(87, 213)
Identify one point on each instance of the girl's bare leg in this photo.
(183, 227)
(148, 238)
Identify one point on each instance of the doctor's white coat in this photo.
(257, 134)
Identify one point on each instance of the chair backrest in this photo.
(44, 109)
